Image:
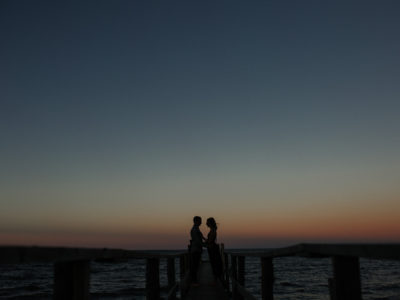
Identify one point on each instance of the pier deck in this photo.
(207, 289)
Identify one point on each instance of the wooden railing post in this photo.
(223, 258)
(241, 269)
(241, 272)
(267, 279)
(152, 279)
(225, 273)
(182, 267)
(184, 275)
(71, 280)
(187, 262)
(346, 283)
(226, 262)
(171, 274)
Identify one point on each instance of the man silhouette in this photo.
(196, 248)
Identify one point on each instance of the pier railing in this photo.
(345, 284)
(72, 268)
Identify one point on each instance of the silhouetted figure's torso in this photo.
(213, 253)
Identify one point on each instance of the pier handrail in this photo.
(345, 283)
(72, 268)
(26, 254)
(374, 251)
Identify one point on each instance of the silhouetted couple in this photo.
(198, 241)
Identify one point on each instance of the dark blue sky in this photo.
(105, 93)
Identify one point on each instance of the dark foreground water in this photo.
(296, 278)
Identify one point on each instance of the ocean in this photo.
(295, 278)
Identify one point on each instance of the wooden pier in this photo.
(72, 269)
(208, 288)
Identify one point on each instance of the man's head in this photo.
(197, 220)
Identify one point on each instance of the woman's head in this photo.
(211, 223)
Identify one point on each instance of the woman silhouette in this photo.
(213, 248)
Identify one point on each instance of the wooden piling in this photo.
(185, 279)
(241, 270)
(346, 283)
(171, 275)
(226, 266)
(152, 279)
(181, 266)
(235, 292)
(241, 274)
(187, 261)
(71, 280)
(171, 272)
(267, 279)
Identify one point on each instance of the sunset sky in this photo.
(121, 120)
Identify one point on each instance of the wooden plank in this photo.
(185, 284)
(245, 294)
(208, 288)
(71, 280)
(22, 254)
(172, 292)
(286, 251)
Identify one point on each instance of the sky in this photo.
(121, 120)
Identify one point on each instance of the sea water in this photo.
(295, 278)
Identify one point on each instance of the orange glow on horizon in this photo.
(252, 234)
